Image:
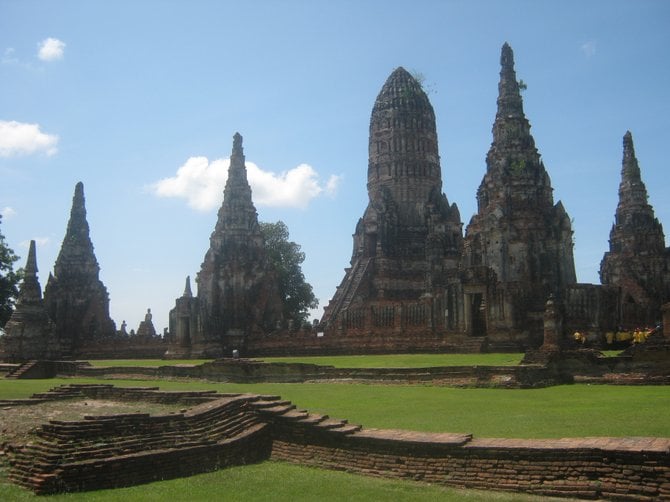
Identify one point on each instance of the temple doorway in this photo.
(477, 315)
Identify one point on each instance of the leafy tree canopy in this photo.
(9, 280)
(286, 255)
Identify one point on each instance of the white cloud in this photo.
(201, 183)
(17, 138)
(589, 48)
(51, 49)
(7, 212)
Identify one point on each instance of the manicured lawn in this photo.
(374, 361)
(145, 362)
(405, 360)
(562, 411)
(273, 481)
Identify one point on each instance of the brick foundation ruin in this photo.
(220, 430)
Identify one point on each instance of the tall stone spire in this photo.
(518, 232)
(76, 255)
(637, 258)
(513, 149)
(238, 289)
(510, 104)
(76, 299)
(29, 332)
(632, 191)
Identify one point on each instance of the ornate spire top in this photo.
(400, 84)
(30, 291)
(237, 172)
(237, 211)
(402, 144)
(31, 262)
(510, 104)
(632, 191)
(630, 170)
(76, 254)
(238, 151)
(78, 226)
(187, 288)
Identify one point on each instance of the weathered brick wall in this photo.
(247, 371)
(360, 341)
(618, 469)
(137, 468)
(124, 348)
(127, 449)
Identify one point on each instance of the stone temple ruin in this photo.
(416, 281)
(76, 299)
(416, 284)
(238, 288)
(412, 270)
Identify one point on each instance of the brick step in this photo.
(313, 419)
(295, 415)
(277, 410)
(346, 429)
(264, 404)
(331, 423)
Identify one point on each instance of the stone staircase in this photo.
(343, 296)
(284, 411)
(21, 370)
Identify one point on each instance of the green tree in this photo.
(286, 255)
(9, 280)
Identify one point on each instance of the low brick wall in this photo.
(250, 371)
(128, 449)
(305, 342)
(122, 450)
(615, 469)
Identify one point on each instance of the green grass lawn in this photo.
(274, 481)
(561, 411)
(405, 360)
(374, 361)
(145, 362)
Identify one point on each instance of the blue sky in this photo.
(125, 95)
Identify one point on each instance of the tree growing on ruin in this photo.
(297, 294)
(9, 280)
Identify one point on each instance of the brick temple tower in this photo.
(408, 243)
(238, 288)
(637, 261)
(75, 297)
(29, 333)
(518, 247)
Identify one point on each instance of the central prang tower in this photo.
(409, 240)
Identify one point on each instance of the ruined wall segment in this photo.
(518, 233)
(75, 297)
(637, 260)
